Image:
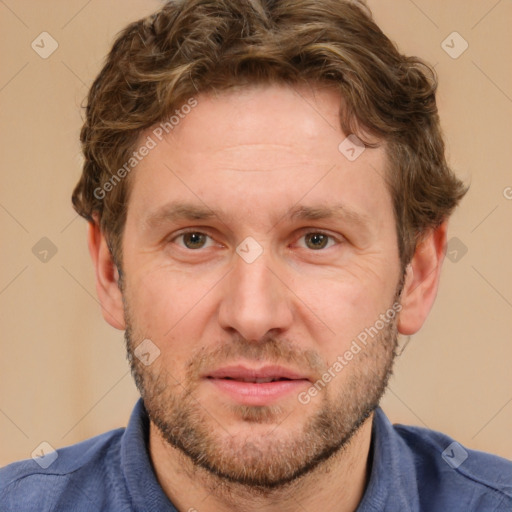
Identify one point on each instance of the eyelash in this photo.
(312, 232)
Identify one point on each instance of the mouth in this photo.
(257, 380)
(264, 374)
(257, 386)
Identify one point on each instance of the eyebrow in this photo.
(179, 211)
(340, 211)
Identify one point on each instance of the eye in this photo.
(192, 239)
(317, 240)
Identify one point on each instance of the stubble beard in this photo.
(277, 458)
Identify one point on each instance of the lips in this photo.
(260, 375)
(256, 386)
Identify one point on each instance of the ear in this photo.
(107, 277)
(422, 280)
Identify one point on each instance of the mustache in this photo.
(269, 350)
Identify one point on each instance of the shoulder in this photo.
(85, 470)
(454, 473)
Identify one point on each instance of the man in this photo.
(267, 197)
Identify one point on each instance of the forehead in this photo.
(263, 148)
(277, 116)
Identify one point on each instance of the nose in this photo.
(255, 299)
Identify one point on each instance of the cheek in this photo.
(166, 304)
(152, 302)
(338, 307)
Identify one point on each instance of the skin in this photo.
(256, 154)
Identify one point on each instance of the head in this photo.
(230, 119)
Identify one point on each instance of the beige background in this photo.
(63, 374)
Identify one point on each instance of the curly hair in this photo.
(189, 47)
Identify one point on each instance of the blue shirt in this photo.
(412, 469)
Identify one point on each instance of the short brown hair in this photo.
(190, 47)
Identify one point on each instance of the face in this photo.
(256, 256)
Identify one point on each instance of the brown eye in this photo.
(193, 239)
(316, 241)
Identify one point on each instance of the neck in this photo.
(336, 485)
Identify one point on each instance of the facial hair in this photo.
(276, 459)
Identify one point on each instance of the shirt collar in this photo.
(392, 483)
(143, 487)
